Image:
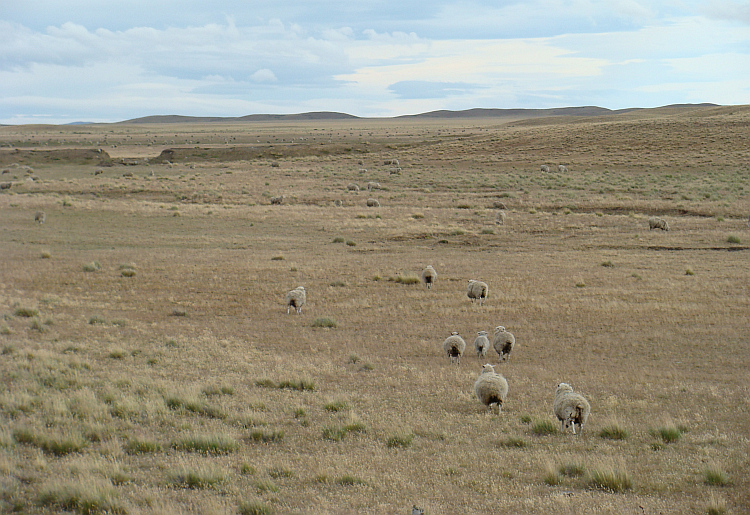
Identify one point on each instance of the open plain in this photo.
(149, 365)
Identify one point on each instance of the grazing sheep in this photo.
(476, 290)
(338, 203)
(373, 185)
(657, 223)
(491, 388)
(503, 343)
(562, 168)
(429, 275)
(545, 168)
(392, 162)
(570, 408)
(352, 187)
(277, 200)
(498, 204)
(296, 298)
(500, 218)
(373, 202)
(40, 217)
(481, 344)
(5, 185)
(454, 346)
(395, 171)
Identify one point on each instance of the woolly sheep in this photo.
(429, 275)
(373, 202)
(395, 171)
(481, 344)
(570, 408)
(277, 200)
(500, 218)
(545, 168)
(562, 168)
(503, 343)
(454, 346)
(657, 223)
(491, 388)
(476, 290)
(338, 203)
(352, 187)
(296, 298)
(373, 185)
(40, 217)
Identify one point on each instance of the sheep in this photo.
(392, 162)
(395, 171)
(570, 408)
(373, 185)
(491, 388)
(416, 511)
(429, 275)
(657, 223)
(277, 200)
(338, 203)
(500, 218)
(5, 185)
(40, 217)
(352, 187)
(373, 202)
(476, 290)
(545, 168)
(481, 344)
(454, 346)
(503, 343)
(296, 298)
(562, 168)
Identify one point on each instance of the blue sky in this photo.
(112, 60)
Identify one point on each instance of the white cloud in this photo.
(264, 75)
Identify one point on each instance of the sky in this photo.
(113, 60)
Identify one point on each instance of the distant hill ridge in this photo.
(467, 113)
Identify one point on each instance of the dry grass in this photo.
(236, 406)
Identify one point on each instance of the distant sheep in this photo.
(503, 343)
(454, 346)
(40, 217)
(277, 200)
(296, 298)
(5, 185)
(477, 290)
(562, 168)
(491, 388)
(373, 202)
(657, 223)
(570, 408)
(429, 276)
(545, 168)
(352, 187)
(481, 344)
(500, 218)
(392, 162)
(338, 203)
(395, 171)
(373, 185)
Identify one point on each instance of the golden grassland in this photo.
(149, 365)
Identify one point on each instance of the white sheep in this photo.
(277, 200)
(429, 276)
(296, 298)
(491, 388)
(373, 202)
(503, 343)
(657, 223)
(562, 168)
(352, 187)
(500, 218)
(545, 168)
(338, 203)
(481, 344)
(454, 346)
(570, 408)
(395, 171)
(373, 185)
(476, 290)
(40, 217)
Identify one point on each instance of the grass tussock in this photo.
(668, 433)
(206, 444)
(142, 446)
(87, 496)
(610, 479)
(198, 477)
(544, 427)
(515, 441)
(614, 431)
(400, 440)
(405, 279)
(715, 476)
(26, 312)
(263, 436)
(325, 322)
(94, 266)
(255, 507)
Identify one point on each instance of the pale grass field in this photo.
(593, 297)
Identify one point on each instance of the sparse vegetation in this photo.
(324, 322)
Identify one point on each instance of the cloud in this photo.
(264, 75)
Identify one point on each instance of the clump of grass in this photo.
(354, 358)
(280, 473)
(689, 271)
(179, 312)
(301, 385)
(92, 267)
(335, 406)
(277, 258)
(58, 445)
(543, 428)
(339, 239)
(138, 446)
(266, 485)
(668, 433)
(580, 284)
(217, 390)
(610, 480)
(456, 232)
(247, 470)
(118, 354)
(26, 312)
(525, 419)
(348, 480)
(716, 506)
(572, 469)
(337, 284)
(334, 433)
(614, 431)
(417, 216)
(299, 413)
(401, 440)
(37, 325)
(88, 497)
(265, 383)
(206, 444)
(551, 476)
(128, 272)
(351, 243)
(608, 264)
(405, 279)
(324, 322)
(515, 441)
(733, 239)
(254, 508)
(266, 436)
(715, 476)
(464, 206)
(46, 254)
(488, 231)
(97, 319)
(206, 476)
(366, 367)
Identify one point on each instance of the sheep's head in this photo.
(482, 333)
(564, 387)
(454, 333)
(499, 329)
(486, 368)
